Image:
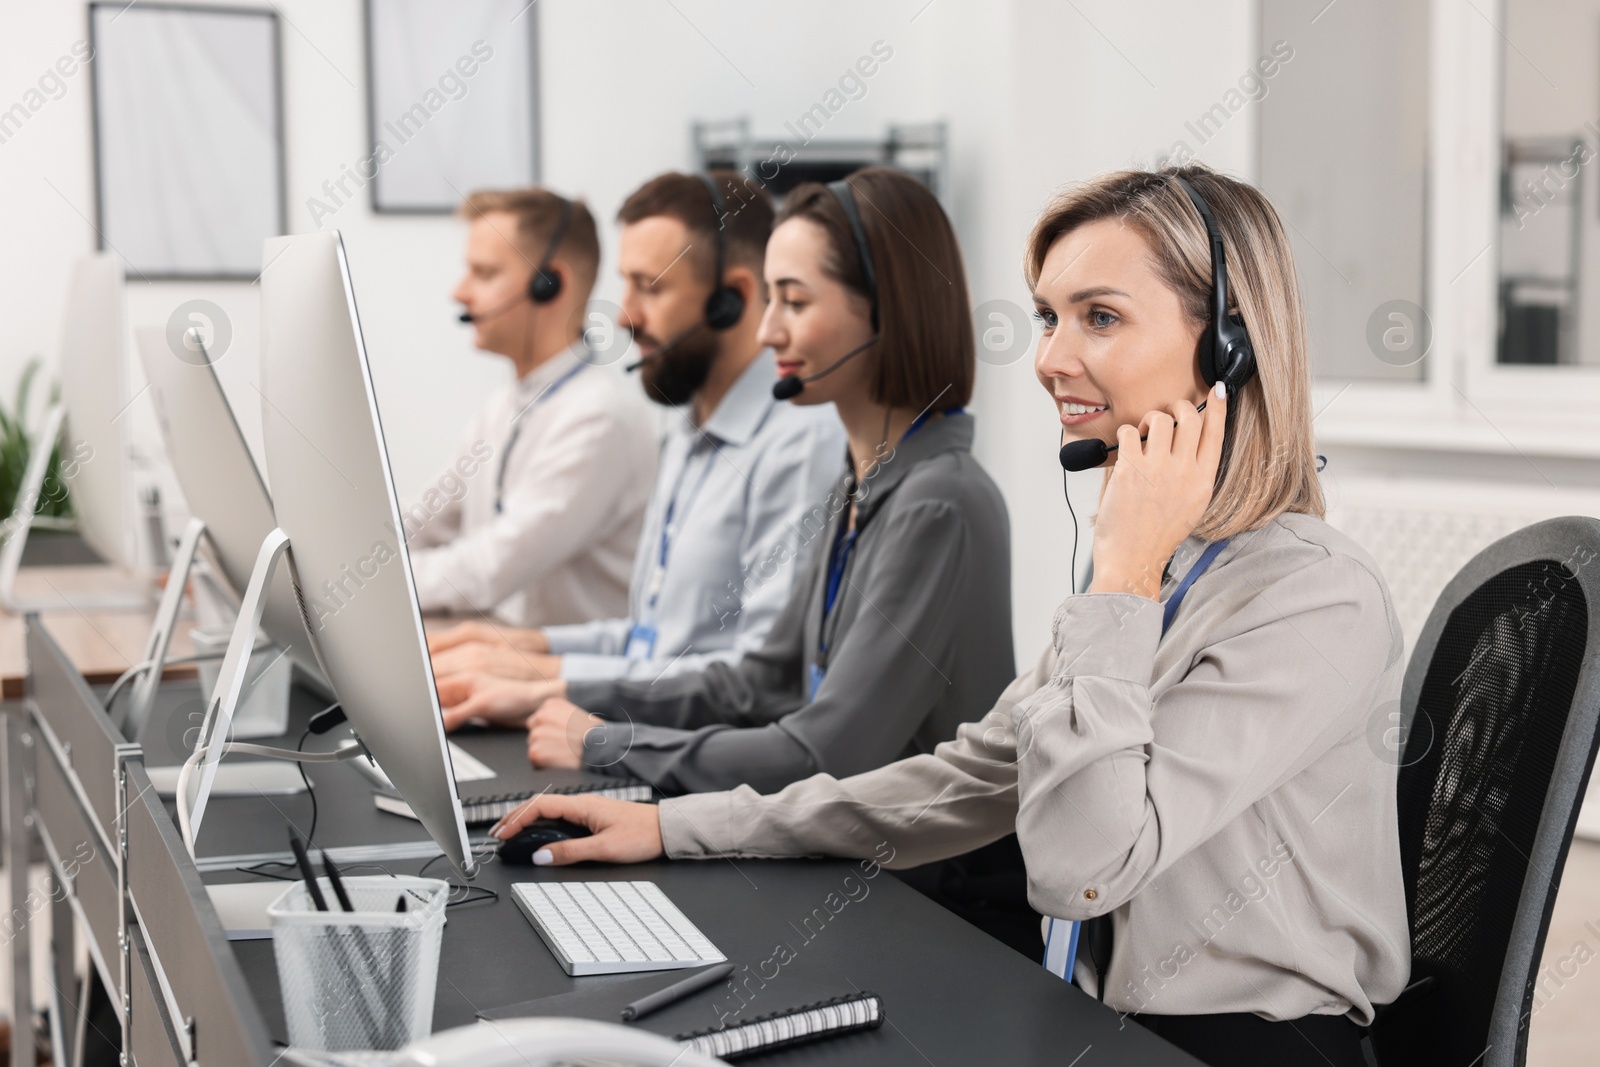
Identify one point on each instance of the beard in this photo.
(672, 379)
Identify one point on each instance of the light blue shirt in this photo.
(735, 489)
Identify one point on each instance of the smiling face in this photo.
(813, 319)
(1116, 342)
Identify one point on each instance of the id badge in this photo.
(1061, 948)
(641, 642)
(814, 676)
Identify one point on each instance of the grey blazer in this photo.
(919, 640)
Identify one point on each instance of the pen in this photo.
(336, 881)
(306, 872)
(298, 847)
(676, 991)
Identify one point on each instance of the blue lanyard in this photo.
(516, 431)
(1061, 937)
(667, 526)
(845, 541)
(1169, 610)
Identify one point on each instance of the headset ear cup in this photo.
(1242, 367)
(724, 308)
(1236, 355)
(1206, 355)
(544, 286)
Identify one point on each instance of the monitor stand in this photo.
(212, 743)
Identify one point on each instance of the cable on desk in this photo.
(483, 893)
(312, 793)
(466, 894)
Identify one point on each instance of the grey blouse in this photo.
(919, 640)
(1222, 792)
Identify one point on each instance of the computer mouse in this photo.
(520, 847)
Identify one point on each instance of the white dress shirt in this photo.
(536, 520)
(736, 489)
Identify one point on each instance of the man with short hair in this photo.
(536, 521)
(739, 468)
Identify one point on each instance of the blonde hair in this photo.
(1269, 463)
(538, 214)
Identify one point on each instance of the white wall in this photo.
(1036, 94)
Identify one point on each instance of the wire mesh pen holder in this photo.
(361, 979)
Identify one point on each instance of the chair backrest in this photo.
(1499, 706)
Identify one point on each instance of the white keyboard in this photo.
(613, 927)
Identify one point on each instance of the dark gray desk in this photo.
(952, 994)
(241, 831)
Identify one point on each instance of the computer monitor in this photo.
(87, 423)
(221, 482)
(333, 495)
(94, 394)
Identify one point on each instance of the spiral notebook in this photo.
(717, 1021)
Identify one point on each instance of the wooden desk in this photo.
(101, 644)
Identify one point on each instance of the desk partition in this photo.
(121, 875)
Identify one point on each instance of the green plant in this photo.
(15, 447)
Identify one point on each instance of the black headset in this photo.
(1225, 351)
(789, 388)
(545, 285)
(725, 306)
(846, 196)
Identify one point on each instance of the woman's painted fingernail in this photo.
(1220, 391)
(543, 858)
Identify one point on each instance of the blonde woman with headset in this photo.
(1187, 768)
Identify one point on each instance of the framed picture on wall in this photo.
(453, 101)
(188, 137)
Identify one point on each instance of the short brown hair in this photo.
(746, 222)
(926, 353)
(1269, 464)
(538, 213)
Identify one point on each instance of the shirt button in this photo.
(1089, 894)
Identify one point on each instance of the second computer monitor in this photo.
(95, 439)
(220, 480)
(334, 497)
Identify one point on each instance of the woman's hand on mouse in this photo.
(1157, 493)
(497, 701)
(621, 831)
(556, 732)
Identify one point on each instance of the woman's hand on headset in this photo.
(1156, 494)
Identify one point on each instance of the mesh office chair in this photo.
(1500, 704)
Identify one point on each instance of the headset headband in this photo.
(725, 306)
(1219, 270)
(560, 233)
(845, 194)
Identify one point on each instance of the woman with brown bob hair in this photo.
(899, 629)
(1187, 769)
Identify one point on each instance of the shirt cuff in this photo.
(564, 640)
(697, 826)
(1107, 635)
(590, 695)
(587, 667)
